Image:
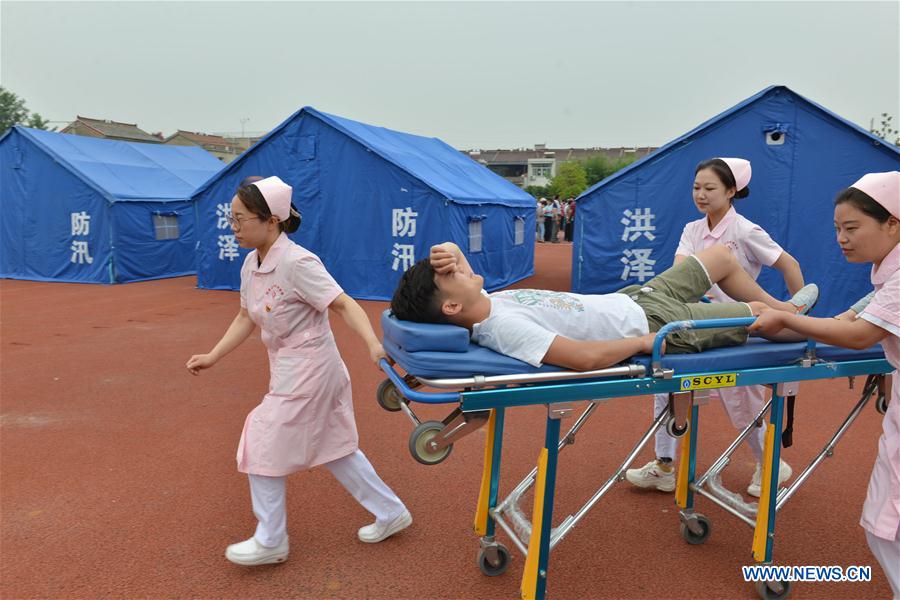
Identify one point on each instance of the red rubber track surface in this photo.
(117, 472)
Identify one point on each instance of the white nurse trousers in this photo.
(888, 554)
(353, 471)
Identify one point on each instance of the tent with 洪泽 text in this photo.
(629, 224)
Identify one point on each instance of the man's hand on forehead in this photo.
(442, 260)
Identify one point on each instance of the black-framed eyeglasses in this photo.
(236, 223)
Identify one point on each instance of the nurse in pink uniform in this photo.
(718, 182)
(867, 221)
(306, 418)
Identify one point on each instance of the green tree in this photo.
(886, 131)
(539, 191)
(14, 112)
(36, 121)
(570, 180)
(600, 167)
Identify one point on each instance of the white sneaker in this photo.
(805, 298)
(652, 475)
(755, 488)
(251, 553)
(375, 533)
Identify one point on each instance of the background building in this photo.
(110, 130)
(535, 167)
(218, 146)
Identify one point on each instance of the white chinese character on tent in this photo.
(404, 256)
(228, 247)
(638, 264)
(80, 253)
(81, 223)
(222, 212)
(403, 222)
(637, 224)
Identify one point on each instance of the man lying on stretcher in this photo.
(586, 332)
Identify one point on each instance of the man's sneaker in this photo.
(251, 553)
(755, 488)
(805, 298)
(376, 532)
(653, 475)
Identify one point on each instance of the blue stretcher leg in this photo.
(534, 579)
(495, 466)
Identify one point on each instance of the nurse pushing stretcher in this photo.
(718, 182)
(867, 223)
(306, 418)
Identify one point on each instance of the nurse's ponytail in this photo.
(292, 223)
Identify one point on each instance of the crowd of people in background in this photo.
(555, 216)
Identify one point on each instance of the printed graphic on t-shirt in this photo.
(545, 299)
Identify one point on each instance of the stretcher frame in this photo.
(483, 400)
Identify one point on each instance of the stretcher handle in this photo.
(411, 394)
(692, 324)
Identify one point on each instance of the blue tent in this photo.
(90, 210)
(373, 201)
(629, 224)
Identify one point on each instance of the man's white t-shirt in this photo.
(523, 323)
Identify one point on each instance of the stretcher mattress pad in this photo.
(434, 351)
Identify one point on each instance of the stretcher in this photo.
(483, 384)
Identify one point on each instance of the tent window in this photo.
(305, 147)
(166, 227)
(520, 231)
(776, 133)
(475, 239)
(775, 138)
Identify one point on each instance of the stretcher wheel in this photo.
(388, 396)
(493, 570)
(674, 430)
(881, 403)
(696, 538)
(419, 443)
(767, 593)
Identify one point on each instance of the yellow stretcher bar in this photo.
(681, 486)
(481, 511)
(529, 577)
(761, 533)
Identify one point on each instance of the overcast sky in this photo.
(476, 74)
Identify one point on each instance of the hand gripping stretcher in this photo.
(484, 384)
